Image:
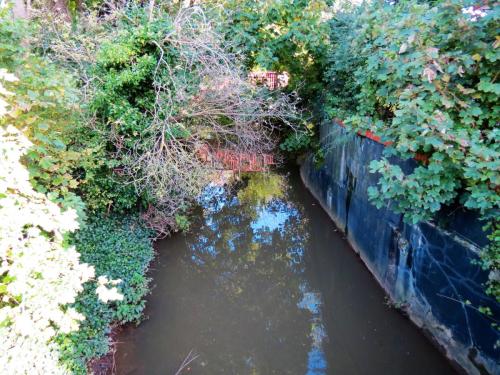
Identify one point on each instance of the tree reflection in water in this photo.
(260, 316)
(242, 290)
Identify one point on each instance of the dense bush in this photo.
(45, 109)
(341, 63)
(39, 274)
(424, 78)
(289, 36)
(121, 103)
(161, 87)
(119, 248)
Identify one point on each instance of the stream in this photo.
(264, 283)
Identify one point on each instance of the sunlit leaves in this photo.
(45, 110)
(426, 79)
(421, 72)
(39, 274)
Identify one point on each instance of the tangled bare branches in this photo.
(204, 97)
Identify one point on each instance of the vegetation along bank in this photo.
(105, 105)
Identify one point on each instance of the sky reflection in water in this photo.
(270, 215)
(255, 287)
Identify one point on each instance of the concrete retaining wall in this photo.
(424, 268)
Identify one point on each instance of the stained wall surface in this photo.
(426, 269)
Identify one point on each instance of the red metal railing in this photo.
(273, 80)
(423, 158)
(226, 159)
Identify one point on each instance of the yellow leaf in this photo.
(446, 78)
(465, 91)
(31, 120)
(15, 114)
(476, 57)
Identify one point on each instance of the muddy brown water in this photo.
(263, 284)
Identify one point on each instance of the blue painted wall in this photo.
(426, 267)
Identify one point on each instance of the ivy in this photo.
(119, 248)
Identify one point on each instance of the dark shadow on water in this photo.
(264, 284)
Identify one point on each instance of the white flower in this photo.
(6, 76)
(108, 294)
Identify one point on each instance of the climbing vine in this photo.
(425, 78)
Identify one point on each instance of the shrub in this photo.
(161, 88)
(297, 142)
(342, 61)
(39, 274)
(45, 109)
(119, 248)
(122, 101)
(426, 84)
(287, 35)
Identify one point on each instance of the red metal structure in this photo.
(273, 80)
(226, 159)
(423, 158)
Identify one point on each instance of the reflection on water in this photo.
(250, 248)
(316, 362)
(242, 291)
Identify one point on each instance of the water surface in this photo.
(265, 284)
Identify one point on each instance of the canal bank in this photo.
(427, 269)
(264, 283)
